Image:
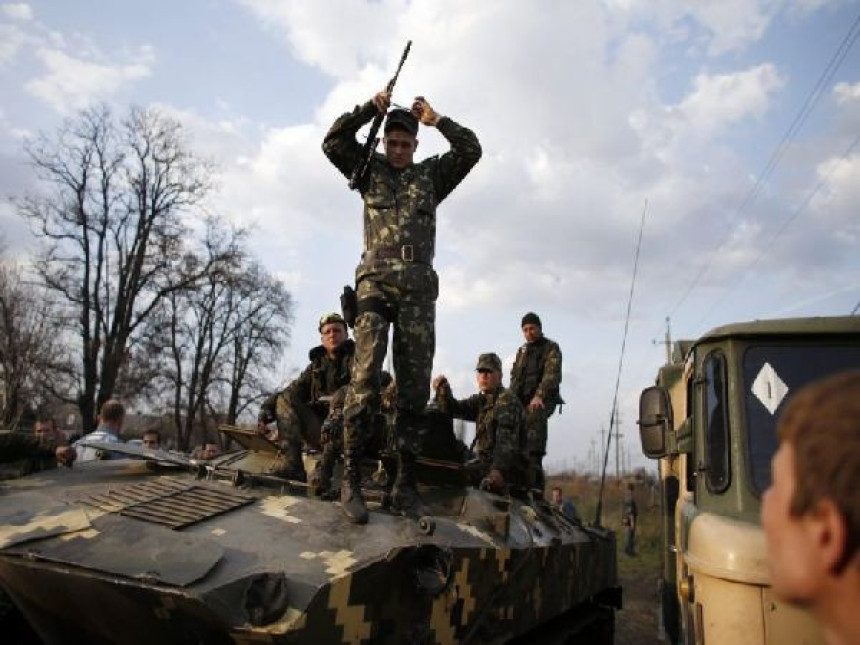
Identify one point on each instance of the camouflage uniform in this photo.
(537, 371)
(395, 281)
(298, 409)
(500, 435)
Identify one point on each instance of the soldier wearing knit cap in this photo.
(535, 380)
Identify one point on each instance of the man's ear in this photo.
(830, 535)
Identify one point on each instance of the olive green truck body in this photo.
(710, 421)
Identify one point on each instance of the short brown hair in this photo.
(822, 424)
(112, 411)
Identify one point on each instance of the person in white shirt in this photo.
(111, 418)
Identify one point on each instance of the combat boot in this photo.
(289, 464)
(351, 498)
(324, 471)
(404, 496)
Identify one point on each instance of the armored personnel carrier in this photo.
(160, 548)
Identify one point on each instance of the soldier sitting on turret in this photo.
(301, 407)
(500, 435)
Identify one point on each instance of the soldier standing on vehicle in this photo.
(535, 379)
(811, 512)
(395, 281)
(299, 409)
(500, 433)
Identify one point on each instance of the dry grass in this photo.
(636, 623)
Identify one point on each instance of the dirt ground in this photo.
(636, 623)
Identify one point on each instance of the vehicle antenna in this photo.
(612, 416)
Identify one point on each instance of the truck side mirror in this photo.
(655, 421)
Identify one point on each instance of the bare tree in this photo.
(113, 222)
(218, 334)
(33, 361)
(266, 312)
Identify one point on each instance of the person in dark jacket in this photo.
(302, 406)
(535, 379)
(18, 445)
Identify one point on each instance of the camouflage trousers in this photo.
(536, 428)
(299, 423)
(536, 438)
(413, 318)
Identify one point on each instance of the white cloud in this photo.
(11, 40)
(720, 101)
(847, 93)
(17, 11)
(71, 83)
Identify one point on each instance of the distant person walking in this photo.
(630, 519)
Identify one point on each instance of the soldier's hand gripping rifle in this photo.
(360, 171)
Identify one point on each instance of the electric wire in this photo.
(809, 104)
(785, 224)
(613, 414)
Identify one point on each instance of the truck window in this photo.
(772, 374)
(717, 418)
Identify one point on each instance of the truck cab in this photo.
(710, 422)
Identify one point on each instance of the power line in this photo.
(809, 104)
(788, 221)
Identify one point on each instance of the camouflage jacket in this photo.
(400, 205)
(500, 434)
(323, 377)
(537, 370)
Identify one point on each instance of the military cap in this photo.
(531, 318)
(333, 317)
(489, 361)
(403, 119)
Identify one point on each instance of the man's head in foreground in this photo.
(811, 512)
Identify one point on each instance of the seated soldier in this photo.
(331, 436)
(301, 408)
(500, 434)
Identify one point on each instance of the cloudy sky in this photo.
(734, 119)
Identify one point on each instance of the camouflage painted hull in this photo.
(114, 552)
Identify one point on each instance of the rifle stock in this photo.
(360, 171)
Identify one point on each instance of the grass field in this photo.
(636, 623)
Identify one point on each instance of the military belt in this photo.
(406, 252)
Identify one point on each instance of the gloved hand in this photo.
(494, 482)
(424, 112)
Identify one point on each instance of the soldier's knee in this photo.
(370, 321)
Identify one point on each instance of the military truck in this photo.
(710, 421)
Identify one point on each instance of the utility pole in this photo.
(600, 454)
(618, 436)
(592, 458)
(666, 342)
